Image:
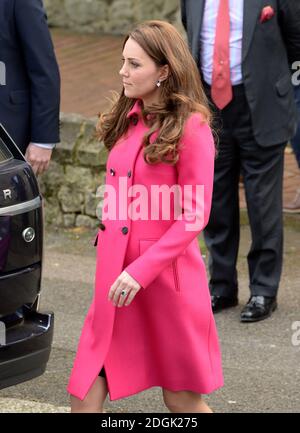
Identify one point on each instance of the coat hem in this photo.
(200, 390)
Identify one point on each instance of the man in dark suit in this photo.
(29, 81)
(244, 51)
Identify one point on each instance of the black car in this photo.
(25, 332)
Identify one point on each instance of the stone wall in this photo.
(109, 16)
(76, 171)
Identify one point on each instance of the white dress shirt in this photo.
(45, 145)
(207, 39)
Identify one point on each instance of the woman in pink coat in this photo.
(150, 322)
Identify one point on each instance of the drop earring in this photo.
(158, 83)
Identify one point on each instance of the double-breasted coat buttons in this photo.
(113, 172)
(125, 230)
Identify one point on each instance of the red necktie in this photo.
(221, 90)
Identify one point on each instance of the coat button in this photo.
(112, 171)
(102, 226)
(124, 230)
(129, 173)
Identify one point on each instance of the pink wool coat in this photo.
(167, 336)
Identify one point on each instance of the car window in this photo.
(5, 154)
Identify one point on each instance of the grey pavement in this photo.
(261, 360)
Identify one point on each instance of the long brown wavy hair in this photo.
(181, 94)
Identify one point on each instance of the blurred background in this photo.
(88, 37)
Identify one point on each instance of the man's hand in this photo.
(124, 288)
(38, 158)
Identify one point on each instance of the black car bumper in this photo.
(27, 348)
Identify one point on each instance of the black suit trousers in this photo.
(262, 171)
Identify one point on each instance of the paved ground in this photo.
(261, 364)
(89, 66)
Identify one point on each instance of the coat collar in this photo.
(136, 113)
(136, 109)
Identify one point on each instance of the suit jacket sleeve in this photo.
(42, 69)
(289, 21)
(195, 167)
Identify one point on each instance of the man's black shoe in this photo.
(219, 303)
(258, 308)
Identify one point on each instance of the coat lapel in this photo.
(198, 11)
(252, 9)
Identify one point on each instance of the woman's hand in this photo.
(123, 289)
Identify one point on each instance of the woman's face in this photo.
(140, 74)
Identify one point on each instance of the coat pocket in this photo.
(283, 85)
(18, 97)
(170, 274)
